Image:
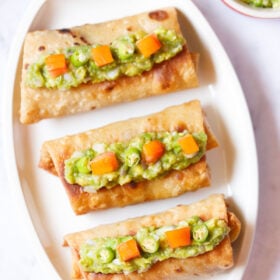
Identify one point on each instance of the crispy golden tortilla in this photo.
(175, 74)
(220, 258)
(176, 118)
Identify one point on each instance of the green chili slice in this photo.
(200, 232)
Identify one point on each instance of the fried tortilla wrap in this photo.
(53, 87)
(125, 176)
(206, 250)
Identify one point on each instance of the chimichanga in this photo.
(181, 243)
(79, 69)
(147, 158)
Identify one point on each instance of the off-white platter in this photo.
(40, 196)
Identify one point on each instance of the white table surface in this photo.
(253, 46)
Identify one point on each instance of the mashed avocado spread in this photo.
(102, 255)
(125, 162)
(81, 68)
(263, 3)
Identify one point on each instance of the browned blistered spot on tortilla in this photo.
(163, 73)
(132, 185)
(180, 127)
(162, 76)
(179, 176)
(26, 65)
(68, 32)
(107, 86)
(41, 48)
(64, 30)
(203, 218)
(76, 43)
(93, 108)
(129, 28)
(83, 39)
(179, 269)
(158, 15)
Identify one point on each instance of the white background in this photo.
(253, 46)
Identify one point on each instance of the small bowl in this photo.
(248, 10)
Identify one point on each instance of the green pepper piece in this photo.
(149, 244)
(105, 255)
(79, 58)
(124, 47)
(200, 232)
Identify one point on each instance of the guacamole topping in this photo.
(263, 3)
(125, 162)
(81, 68)
(102, 255)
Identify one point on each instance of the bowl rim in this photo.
(245, 9)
